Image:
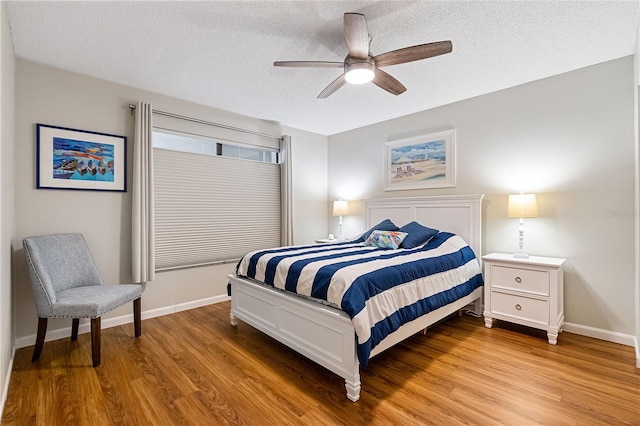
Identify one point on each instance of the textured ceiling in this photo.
(221, 53)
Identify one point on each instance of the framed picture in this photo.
(79, 159)
(419, 162)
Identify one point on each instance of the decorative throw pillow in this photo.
(385, 239)
(418, 234)
(385, 225)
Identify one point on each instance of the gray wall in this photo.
(7, 213)
(52, 96)
(569, 139)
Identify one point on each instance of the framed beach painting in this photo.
(426, 161)
(79, 159)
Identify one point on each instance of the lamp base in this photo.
(521, 255)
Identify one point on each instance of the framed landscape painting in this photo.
(79, 159)
(419, 162)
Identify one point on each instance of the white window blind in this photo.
(211, 209)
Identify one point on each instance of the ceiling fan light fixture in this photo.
(359, 73)
(360, 67)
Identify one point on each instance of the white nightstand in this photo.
(326, 240)
(525, 291)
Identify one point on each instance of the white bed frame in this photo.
(326, 335)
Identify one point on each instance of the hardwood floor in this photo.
(194, 368)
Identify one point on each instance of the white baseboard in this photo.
(598, 333)
(85, 327)
(637, 344)
(5, 387)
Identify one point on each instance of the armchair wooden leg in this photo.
(42, 330)
(137, 321)
(96, 337)
(74, 329)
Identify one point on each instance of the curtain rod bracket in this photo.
(132, 108)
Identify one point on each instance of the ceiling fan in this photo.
(360, 67)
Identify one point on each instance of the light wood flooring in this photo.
(193, 368)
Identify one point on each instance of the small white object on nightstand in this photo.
(525, 291)
(326, 240)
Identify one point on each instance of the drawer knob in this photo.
(518, 280)
(518, 307)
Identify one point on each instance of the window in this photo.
(200, 145)
(214, 200)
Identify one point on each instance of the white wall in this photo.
(7, 216)
(636, 104)
(51, 96)
(568, 138)
(309, 185)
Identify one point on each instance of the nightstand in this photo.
(525, 291)
(326, 240)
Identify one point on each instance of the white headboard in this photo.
(460, 214)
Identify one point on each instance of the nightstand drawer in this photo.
(520, 279)
(526, 308)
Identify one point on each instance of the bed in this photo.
(328, 335)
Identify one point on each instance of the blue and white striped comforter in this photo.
(380, 289)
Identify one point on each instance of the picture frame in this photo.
(79, 159)
(420, 162)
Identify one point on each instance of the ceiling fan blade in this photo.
(335, 85)
(388, 83)
(309, 64)
(357, 35)
(413, 53)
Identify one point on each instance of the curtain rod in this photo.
(197, 120)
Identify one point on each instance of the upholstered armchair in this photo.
(66, 284)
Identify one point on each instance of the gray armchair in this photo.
(66, 284)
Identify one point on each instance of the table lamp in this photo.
(340, 208)
(521, 206)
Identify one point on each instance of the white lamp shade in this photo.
(340, 208)
(522, 205)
